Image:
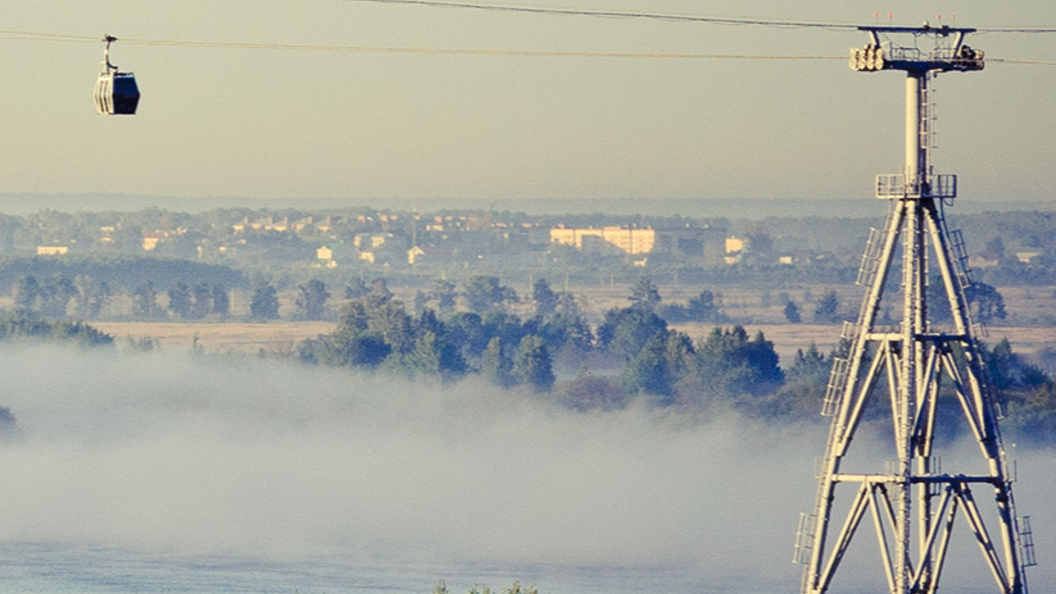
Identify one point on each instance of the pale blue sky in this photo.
(284, 124)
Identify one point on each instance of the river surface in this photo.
(61, 569)
(53, 569)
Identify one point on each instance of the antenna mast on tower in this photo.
(913, 503)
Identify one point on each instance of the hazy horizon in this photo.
(22, 204)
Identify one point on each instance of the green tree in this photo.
(729, 364)
(566, 303)
(985, 303)
(265, 302)
(90, 296)
(1009, 371)
(19, 325)
(350, 344)
(55, 295)
(484, 294)
(311, 300)
(432, 355)
(624, 332)
(531, 364)
(659, 367)
(356, 288)
(180, 300)
(379, 290)
(467, 330)
(1032, 415)
(568, 329)
(387, 318)
(589, 392)
(647, 371)
(507, 327)
(26, 293)
(428, 322)
(420, 302)
(569, 338)
(679, 356)
(201, 301)
(827, 309)
(495, 365)
(810, 364)
(221, 301)
(644, 295)
(792, 313)
(445, 295)
(345, 347)
(800, 398)
(702, 308)
(145, 302)
(706, 307)
(544, 298)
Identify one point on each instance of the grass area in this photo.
(234, 337)
(278, 338)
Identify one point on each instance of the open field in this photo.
(1031, 318)
(280, 337)
(788, 338)
(234, 337)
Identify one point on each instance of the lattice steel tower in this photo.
(913, 503)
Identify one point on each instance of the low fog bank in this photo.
(184, 455)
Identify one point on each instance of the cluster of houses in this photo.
(389, 238)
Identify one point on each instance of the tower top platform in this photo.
(947, 54)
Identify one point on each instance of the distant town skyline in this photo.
(275, 124)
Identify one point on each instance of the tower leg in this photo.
(911, 362)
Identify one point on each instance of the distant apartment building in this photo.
(627, 240)
(689, 241)
(265, 224)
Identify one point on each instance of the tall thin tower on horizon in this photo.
(913, 503)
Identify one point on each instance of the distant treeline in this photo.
(631, 356)
(119, 272)
(15, 327)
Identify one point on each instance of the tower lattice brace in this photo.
(913, 503)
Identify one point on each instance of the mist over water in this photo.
(171, 455)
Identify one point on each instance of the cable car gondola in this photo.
(116, 93)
